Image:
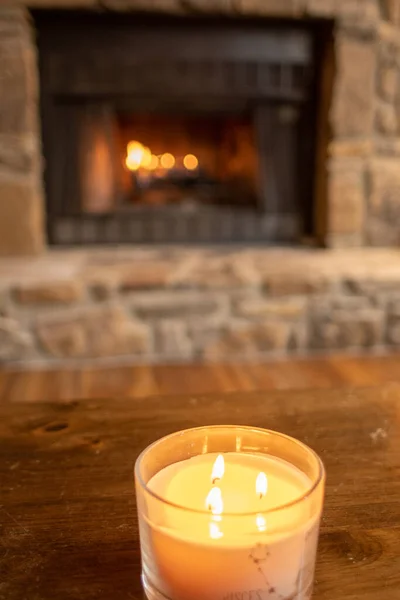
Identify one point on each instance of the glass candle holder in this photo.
(228, 513)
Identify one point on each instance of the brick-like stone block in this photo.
(366, 289)
(393, 332)
(391, 10)
(270, 8)
(172, 340)
(177, 304)
(394, 305)
(351, 148)
(93, 332)
(385, 146)
(146, 275)
(13, 20)
(18, 154)
(352, 111)
(101, 291)
(340, 328)
(217, 272)
(362, 14)
(21, 218)
(18, 85)
(393, 321)
(346, 197)
(49, 293)
(248, 340)
(15, 341)
(388, 82)
(282, 308)
(388, 44)
(295, 283)
(383, 226)
(386, 118)
(353, 302)
(321, 8)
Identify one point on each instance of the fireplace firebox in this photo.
(159, 131)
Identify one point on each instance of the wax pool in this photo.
(239, 549)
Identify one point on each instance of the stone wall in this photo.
(363, 181)
(21, 193)
(161, 306)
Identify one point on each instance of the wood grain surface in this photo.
(68, 526)
(133, 381)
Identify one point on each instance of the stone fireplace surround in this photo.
(214, 304)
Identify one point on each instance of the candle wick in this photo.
(214, 481)
(261, 495)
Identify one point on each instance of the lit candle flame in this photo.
(218, 469)
(261, 484)
(214, 502)
(261, 523)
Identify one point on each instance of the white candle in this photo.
(221, 533)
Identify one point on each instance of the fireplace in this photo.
(259, 122)
(176, 130)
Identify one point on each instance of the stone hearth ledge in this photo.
(180, 304)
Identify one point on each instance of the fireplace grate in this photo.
(203, 226)
(95, 68)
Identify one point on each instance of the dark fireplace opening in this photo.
(138, 159)
(172, 130)
(195, 160)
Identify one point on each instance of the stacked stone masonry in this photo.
(198, 304)
(363, 180)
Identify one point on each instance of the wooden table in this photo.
(67, 505)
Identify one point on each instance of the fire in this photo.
(146, 158)
(218, 469)
(137, 156)
(190, 162)
(134, 148)
(153, 163)
(167, 160)
(132, 163)
(140, 156)
(261, 484)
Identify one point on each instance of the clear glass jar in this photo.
(242, 544)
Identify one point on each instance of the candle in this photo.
(237, 523)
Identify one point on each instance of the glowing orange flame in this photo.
(153, 162)
(218, 469)
(137, 156)
(131, 163)
(190, 162)
(167, 160)
(261, 484)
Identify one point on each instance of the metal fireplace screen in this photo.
(175, 131)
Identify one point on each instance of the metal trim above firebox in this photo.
(119, 61)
